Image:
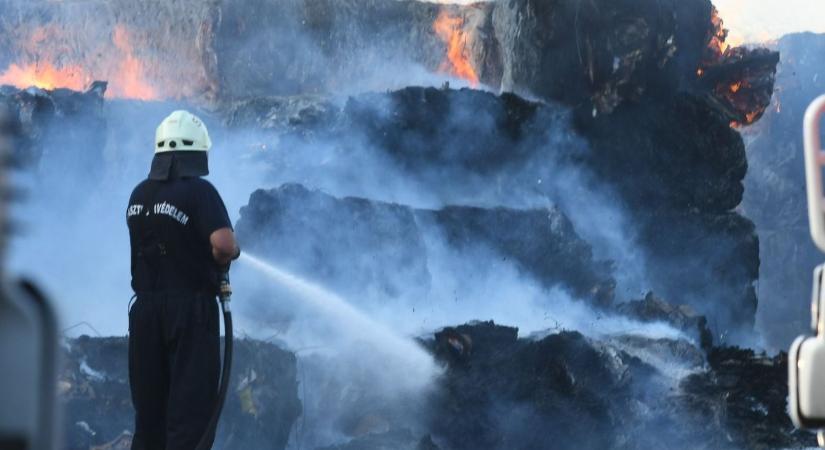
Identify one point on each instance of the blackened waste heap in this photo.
(633, 116)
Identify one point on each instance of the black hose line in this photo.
(209, 435)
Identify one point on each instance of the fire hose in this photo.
(225, 297)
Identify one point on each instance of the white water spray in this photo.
(397, 351)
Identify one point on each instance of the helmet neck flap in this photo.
(179, 164)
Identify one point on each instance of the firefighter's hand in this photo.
(224, 268)
(224, 246)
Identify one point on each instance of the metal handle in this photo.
(225, 292)
(814, 163)
(817, 319)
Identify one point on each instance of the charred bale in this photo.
(292, 114)
(740, 80)
(742, 83)
(667, 163)
(541, 242)
(721, 254)
(679, 167)
(601, 54)
(466, 129)
(682, 153)
(51, 124)
(355, 245)
(311, 232)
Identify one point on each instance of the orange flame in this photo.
(457, 63)
(45, 76)
(124, 71)
(750, 118)
(130, 81)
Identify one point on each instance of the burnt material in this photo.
(541, 242)
(654, 309)
(498, 391)
(595, 54)
(674, 166)
(600, 53)
(745, 392)
(354, 245)
(325, 237)
(260, 410)
(742, 82)
(679, 166)
(568, 391)
(466, 129)
(55, 121)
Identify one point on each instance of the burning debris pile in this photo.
(741, 79)
(70, 45)
(260, 410)
(599, 54)
(687, 166)
(585, 393)
(219, 48)
(620, 179)
(612, 52)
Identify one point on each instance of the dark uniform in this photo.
(174, 342)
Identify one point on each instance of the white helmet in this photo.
(182, 131)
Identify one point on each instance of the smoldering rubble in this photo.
(498, 391)
(94, 387)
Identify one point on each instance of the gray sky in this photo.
(762, 20)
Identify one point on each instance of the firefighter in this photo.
(181, 241)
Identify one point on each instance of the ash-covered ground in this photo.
(553, 254)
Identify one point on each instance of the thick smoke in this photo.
(461, 286)
(74, 237)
